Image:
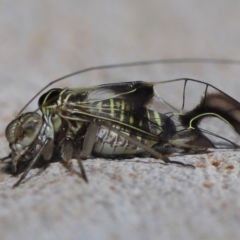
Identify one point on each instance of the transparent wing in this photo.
(199, 105)
(127, 104)
(189, 103)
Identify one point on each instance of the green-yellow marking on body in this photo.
(131, 120)
(139, 138)
(148, 117)
(45, 105)
(115, 96)
(61, 94)
(122, 110)
(103, 118)
(111, 107)
(56, 120)
(157, 118)
(99, 106)
(206, 114)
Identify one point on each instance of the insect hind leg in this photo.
(9, 156)
(179, 163)
(68, 148)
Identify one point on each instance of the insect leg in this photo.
(48, 150)
(31, 165)
(87, 147)
(83, 172)
(89, 140)
(67, 150)
(6, 157)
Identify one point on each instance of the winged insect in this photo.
(114, 120)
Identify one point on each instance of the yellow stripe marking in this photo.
(122, 111)
(111, 107)
(157, 118)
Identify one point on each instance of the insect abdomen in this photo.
(110, 143)
(150, 129)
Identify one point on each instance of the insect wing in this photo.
(127, 105)
(138, 93)
(121, 103)
(198, 105)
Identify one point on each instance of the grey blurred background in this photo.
(44, 40)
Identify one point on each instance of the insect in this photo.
(115, 120)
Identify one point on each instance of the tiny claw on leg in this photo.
(6, 157)
(181, 163)
(83, 172)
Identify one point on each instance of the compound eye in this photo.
(31, 123)
(24, 129)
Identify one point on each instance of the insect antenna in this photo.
(132, 64)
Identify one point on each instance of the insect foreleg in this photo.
(31, 164)
(48, 150)
(6, 157)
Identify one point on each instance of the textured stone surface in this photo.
(137, 199)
